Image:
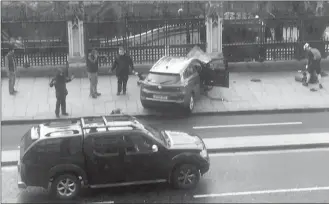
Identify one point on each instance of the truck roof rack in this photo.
(112, 121)
(62, 122)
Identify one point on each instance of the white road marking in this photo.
(291, 190)
(247, 125)
(288, 151)
(266, 141)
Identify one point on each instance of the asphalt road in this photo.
(225, 126)
(289, 176)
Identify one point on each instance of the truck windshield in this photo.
(156, 134)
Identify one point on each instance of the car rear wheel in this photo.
(190, 105)
(185, 176)
(65, 187)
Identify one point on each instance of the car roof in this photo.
(171, 65)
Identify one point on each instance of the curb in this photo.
(227, 113)
(239, 149)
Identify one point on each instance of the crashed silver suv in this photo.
(179, 80)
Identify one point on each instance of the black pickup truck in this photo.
(108, 151)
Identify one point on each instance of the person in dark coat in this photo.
(59, 81)
(122, 65)
(10, 64)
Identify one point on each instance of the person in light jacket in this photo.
(92, 66)
(314, 64)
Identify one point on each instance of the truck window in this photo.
(137, 143)
(106, 145)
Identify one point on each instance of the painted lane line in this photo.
(291, 190)
(266, 141)
(269, 152)
(247, 125)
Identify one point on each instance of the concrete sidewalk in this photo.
(276, 91)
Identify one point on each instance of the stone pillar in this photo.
(220, 34)
(209, 35)
(76, 43)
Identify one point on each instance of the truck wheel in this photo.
(185, 176)
(65, 187)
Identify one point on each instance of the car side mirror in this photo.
(155, 148)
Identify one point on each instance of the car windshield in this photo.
(155, 133)
(160, 78)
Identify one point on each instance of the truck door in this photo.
(218, 73)
(141, 163)
(104, 159)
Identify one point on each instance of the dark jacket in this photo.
(59, 81)
(10, 62)
(92, 66)
(122, 63)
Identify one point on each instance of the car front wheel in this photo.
(185, 176)
(65, 187)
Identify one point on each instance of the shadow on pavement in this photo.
(154, 193)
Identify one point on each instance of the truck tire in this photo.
(185, 176)
(65, 187)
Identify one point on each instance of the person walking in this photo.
(122, 65)
(314, 64)
(11, 69)
(59, 81)
(92, 68)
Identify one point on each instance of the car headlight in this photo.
(204, 153)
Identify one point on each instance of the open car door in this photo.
(218, 73)
(215, 70)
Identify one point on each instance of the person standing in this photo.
(92, 66)
(122, 65)
(59, 81)
(314, 61)
(11, 69)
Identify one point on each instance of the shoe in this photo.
(57, 115)
(15, 91)
(65, 114)
(320, 86)
(305, 84)
(98, 94)
(118, 93)
(93, 96)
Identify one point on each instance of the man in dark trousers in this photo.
(92, 66)
(59, 81)
(314, 61)
(11, 69)
(121, 64)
